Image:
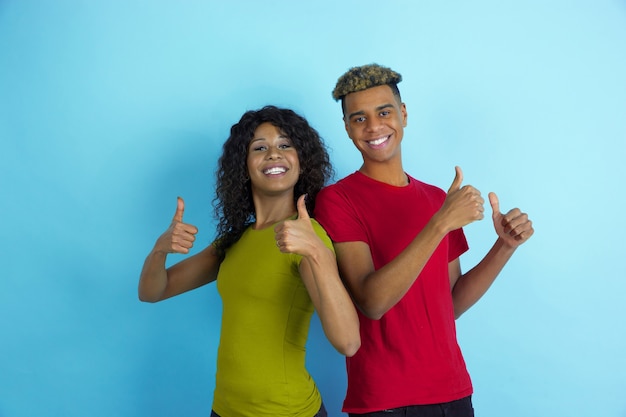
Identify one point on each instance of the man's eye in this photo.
(359, 119)
(385, 113)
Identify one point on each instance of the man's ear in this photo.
(404, 114)
(346, 124)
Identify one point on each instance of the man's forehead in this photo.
(370, 98)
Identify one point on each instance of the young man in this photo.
(398, 242)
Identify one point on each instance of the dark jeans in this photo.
(458, 408)
(320, 413)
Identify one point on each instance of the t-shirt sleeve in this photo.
(319, 230)
(337, 215)
(457, 244)
(321, 233)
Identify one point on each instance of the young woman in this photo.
(273, 265)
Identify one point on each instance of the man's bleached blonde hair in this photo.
(364, 77)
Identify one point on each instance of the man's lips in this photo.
(379, 141)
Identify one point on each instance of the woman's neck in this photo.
(272, 209)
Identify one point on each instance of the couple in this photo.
(394, 241)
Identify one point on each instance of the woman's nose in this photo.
(274, 153)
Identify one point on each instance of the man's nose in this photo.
(372, 124)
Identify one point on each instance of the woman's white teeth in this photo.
(275, 170)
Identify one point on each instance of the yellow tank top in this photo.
(265, 324)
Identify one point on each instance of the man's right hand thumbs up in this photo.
(463, 205)
(458, 180)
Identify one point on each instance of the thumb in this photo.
(458, 179)
(302, 211)
(495, 203)
(180, 209)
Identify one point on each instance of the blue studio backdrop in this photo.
(109, 110)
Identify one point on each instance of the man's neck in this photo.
(384, 172)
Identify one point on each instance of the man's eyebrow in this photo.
(356, 113)
(361, 112)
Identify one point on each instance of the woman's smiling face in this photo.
(273, 164)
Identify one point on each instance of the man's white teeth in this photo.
(378, 141)
(275, 170)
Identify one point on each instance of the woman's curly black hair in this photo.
(234, 208)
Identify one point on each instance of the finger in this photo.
(495, 203)
(458, 179)
(189, 228)
(180, 208)
(514, 219)
(182, 247)
(185, 231)
(522, 232)
(187, 242)
(302, 211)
(182, 239)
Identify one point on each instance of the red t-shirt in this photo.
(411, 355)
